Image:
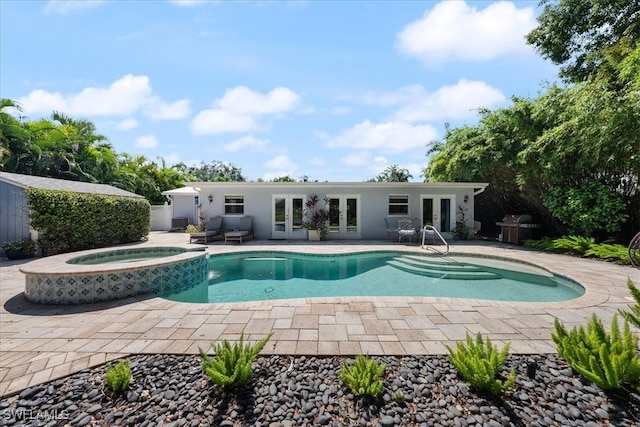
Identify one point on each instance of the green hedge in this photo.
(68, 221)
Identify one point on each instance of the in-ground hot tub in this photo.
(104, 275)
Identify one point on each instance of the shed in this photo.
(14, 207)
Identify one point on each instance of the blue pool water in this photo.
(256, 276)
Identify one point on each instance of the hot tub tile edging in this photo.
(47, 284)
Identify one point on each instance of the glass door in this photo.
(286, 217)
(344, 217)
(438, 211)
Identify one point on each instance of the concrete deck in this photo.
(39, 343)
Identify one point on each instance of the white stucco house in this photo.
(357, 210)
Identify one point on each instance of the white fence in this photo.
(161, 217)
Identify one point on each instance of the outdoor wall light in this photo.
(210, 198)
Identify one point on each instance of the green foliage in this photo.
(118, 376)
(573, 244)
(28, 247)
(609, 251)
(68, 221)
(232, 365)
(609, 360)
(480, 362)
(215, 172)
(583, 246)
(633, 316)
(364, 377)
(544, 244)
(578, 34)
(393, 173)
(192, 228)
(587, 209)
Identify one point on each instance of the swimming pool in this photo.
(257, 276)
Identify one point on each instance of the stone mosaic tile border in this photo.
(54, 281)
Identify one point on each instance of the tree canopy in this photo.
(573, 153)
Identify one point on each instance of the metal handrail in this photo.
(432, 228)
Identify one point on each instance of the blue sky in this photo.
(334, 90)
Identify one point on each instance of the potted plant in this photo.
(315, 219)
(19, 249)
(461, 230)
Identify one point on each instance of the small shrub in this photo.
(192, 228)
(480, 362)
(608, 251)
(633, 316)
(364, 377)
(118, 376)
(544, 244)
(232, 365)
(574, 244)
(607, 360)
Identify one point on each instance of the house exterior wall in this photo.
(14, 213)
(373, 202)
(184, 206)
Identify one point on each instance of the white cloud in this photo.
(458, 101)
(317, 161)
(454, 30)
(242, 100)
(278, 166)
(127, 124)
(124, 97)
(219, 121)
(159, 110)
(240, 108)
(248, 142)
(391, 137)
(147, 141)
(281, 161)
(65, 7)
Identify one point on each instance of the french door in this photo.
(439, 211)
(286, 214)
(344, 217)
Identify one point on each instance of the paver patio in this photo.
(39, 343)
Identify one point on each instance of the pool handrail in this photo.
(437, 233)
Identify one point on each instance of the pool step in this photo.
(438, 270)
(445, 264)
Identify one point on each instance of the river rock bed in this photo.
(172, 390)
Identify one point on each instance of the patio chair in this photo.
(243, 232)
(406, 229)
(211, 232)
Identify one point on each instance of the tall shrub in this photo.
(68, 221)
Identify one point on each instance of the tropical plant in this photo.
(364, 377)
(609, 251)
(393, 173)
(609, 360)
(232, 365)
(574, 244)
(633, 316)
(118, 376)
(314, 217)
(479, 363)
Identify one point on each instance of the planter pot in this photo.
(14, 254)
(314, 235)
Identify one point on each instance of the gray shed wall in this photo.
(14, 213)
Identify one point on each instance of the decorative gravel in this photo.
(306, 391)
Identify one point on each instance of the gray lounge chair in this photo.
(211, 232)
(243, 232)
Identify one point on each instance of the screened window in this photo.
(234, 205)
(398, 205)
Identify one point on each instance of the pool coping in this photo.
(40, 343)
